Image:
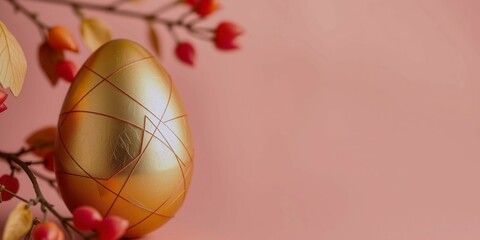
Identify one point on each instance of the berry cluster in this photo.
(59, 39)
(224, 35)
(85, 219)
(109, 228)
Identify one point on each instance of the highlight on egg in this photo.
(123, 141)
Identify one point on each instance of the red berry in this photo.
(11, 184)
(66, 69)
(112, 228)
(185, 52)
(86, 218)
(60, 38)
(47, 231)
(3, 97)
(49, 161)
(225, 35)
(206, 7)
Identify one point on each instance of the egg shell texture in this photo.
(123, 142)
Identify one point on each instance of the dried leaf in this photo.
(13, 65)
(154, 40)
(18, 223)
(48, 58)
(95, 32)
(43, 140)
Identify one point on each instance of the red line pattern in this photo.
(136, 160)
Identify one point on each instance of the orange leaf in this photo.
(154, 40)
(48, 58)
(42, 140)
(18, 223)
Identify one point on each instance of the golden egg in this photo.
(123, 143)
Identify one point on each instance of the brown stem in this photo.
(31, 15)
(38, 192)
(165, 7)
(33, 148)
(106, 8)
(152, 17)
(3, 189)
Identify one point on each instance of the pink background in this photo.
(339, 119)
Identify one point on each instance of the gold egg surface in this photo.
(123, 142)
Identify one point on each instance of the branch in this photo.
(31, 15)
(40, 198)
(112, 8)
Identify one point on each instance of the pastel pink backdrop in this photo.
(338, 119)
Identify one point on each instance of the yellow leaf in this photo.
(95, 32)
(18, 223)
(13, 65)
(43, 139)
(153, 37)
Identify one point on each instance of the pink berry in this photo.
(112, 228)
(47, 231)
(66, 69)
(86, 218)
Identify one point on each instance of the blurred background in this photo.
(337, 119)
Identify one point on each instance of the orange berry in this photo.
(206, 7)
(60, 38)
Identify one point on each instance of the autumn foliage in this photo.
(56, 43)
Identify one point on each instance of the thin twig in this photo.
(31, 15)
(151, 17)
(45, 205)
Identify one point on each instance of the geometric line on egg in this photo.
(124, 121)
(95, 179)
(113, 192)
(103, 80)
(183, 144)
(134, 125)
(162, 204)
(134, 167)
(167, 144)
(179, 161)
(174, 194)
(174, 118)
(156, 128)
(133, 99)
